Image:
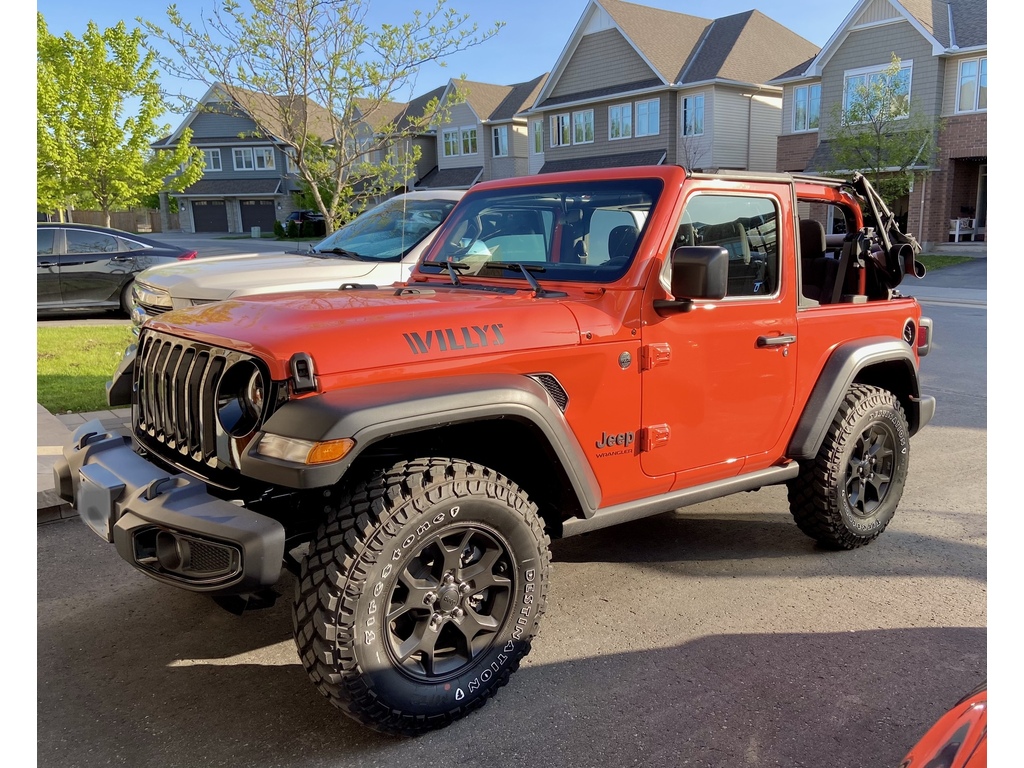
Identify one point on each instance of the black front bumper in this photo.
(167, 525)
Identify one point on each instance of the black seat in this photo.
(621, 242)
(817, 271)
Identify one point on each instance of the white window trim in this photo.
(456, 135)
(977, 86)
(496, 132)
(556, 131)
(907, 64)
(209, 167)
(636, 123)
(537, 129)
(627, 108)
(463, 131)
(268, 153)
(682, 113)
(808, 129)
(251, 152)
(593, 132)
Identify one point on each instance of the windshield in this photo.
(576, 231)
(388, 231)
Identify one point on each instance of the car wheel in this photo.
(421, 593)
(126, 298)
(846, 497)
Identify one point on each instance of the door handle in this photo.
(775, 341)
(47, 264)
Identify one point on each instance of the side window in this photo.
(747, 228)
(44, 242)
(82, 241)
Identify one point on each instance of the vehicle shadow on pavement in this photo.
(132, 672)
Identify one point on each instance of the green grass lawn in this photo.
(73, 364)
(935, 261)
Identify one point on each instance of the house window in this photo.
(620, 121)
(468, 141)
(211, 158)
(561, 130)
(499, 135)
(648, 117)
(806, 107)
(451, 143)
(538, 137)
(249, 159)
(693, 115)
(290, 164)
(972, 89)
(243, 159)
(871, 95)
(583, 127)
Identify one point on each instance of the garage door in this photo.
(257, 213)
(210, 215)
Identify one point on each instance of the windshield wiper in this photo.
(453, 268)
(526, 270)
(342, 252)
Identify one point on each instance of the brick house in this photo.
(639, 85)
(943, 48)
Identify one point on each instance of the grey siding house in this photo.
(484, 136)
(638, 85)
(943, 48)
(248, 181)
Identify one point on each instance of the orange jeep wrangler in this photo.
(575, 350)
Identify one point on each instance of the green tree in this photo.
(91, 148)
(881, 132)
(319, 80)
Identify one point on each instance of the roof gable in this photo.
(947, 25)
(679, 48)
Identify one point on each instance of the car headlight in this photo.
(144, 294)
(241, 394)
(304, 451)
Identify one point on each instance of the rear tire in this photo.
(846, 497)
(421, 593)
(126, 298)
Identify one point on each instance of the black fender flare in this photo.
(371, 413)
(838, 373)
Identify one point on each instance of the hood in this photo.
(222, 277)
(360, 330)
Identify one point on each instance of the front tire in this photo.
(846, 497)
(421, 594)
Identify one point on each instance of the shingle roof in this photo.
(281, 115)
(648, 157)
(747, 47)
(970, 20)
(397, 112)
(233, 187)
(450, 178)
(500, 102)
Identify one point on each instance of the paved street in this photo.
(718, 635)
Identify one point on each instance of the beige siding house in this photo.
(484, 136)
(638, 85)
(943, 46)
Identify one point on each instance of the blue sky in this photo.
(533, 37)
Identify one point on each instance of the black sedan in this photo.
(82, 267)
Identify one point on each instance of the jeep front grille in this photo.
(176, 400)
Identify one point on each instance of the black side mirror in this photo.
(698, 272)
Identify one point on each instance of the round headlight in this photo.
(240, 398)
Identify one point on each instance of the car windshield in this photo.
(576, 231)
(388, 231)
